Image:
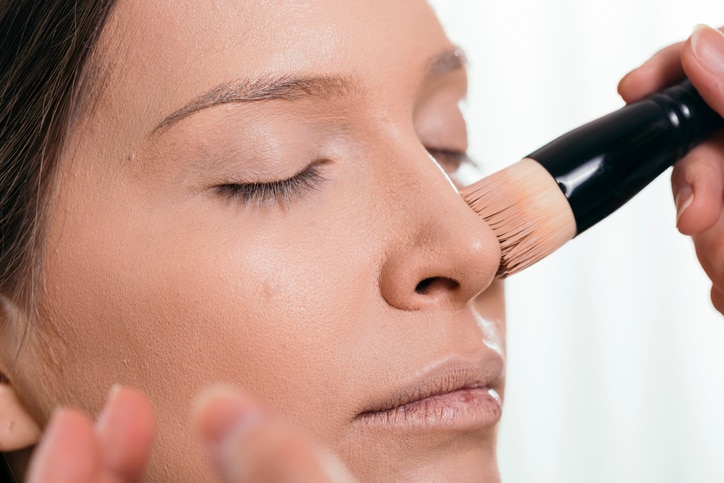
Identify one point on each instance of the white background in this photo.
(615, 356)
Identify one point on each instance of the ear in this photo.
(18, 429)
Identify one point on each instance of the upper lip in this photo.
(440, 378)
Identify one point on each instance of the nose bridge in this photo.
(441, 252)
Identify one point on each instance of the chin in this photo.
(467, 458)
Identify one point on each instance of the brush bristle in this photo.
(527, 211)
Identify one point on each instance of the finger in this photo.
(717, 298)
(703, 61)
(125, 430)
(697, 183)
(710, 251)
(246, 443)
(662, 69)
(68, 451)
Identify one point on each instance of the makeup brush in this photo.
(570, 184)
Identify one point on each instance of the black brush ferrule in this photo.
(603, 164)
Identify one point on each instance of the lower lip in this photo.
(464, 409)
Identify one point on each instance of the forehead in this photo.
(162, 53)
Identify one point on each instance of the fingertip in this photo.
(68, 425)
(698, 213)
(111, 402)
(201, 403)
(623, 85)
(717, 299)
(126, 429)
(221, 410)
(67, 452)
(334, 469)
(125, 405)
(633, 85)
(707, 47)
(703, 61)
(227, 421)
(244, 442)
(683, 198)
(688, 225)
(697, 183)
(640, 82)
(662, 69)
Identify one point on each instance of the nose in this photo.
(442, 253)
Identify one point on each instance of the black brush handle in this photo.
(603, 164)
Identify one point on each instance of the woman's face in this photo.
(250, 198)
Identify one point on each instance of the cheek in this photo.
(172, 307)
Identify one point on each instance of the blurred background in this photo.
(615, 355)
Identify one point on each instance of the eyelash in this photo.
(281, 191)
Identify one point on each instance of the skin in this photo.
(115, 447)
(156, 278)
(697, 180)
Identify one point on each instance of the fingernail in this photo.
(334, 469)
(708, 47)
(224, 418)
(684, 198)
(112, 393)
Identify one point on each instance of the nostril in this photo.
(433, 284)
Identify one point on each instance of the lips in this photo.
(455, 394)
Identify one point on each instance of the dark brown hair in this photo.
(44, 48)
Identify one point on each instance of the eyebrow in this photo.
(294, 88)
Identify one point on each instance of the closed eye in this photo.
(280, 191)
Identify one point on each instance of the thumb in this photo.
(703, 62)
(246, 443)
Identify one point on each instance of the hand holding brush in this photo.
(570, 184)
(698, 179)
